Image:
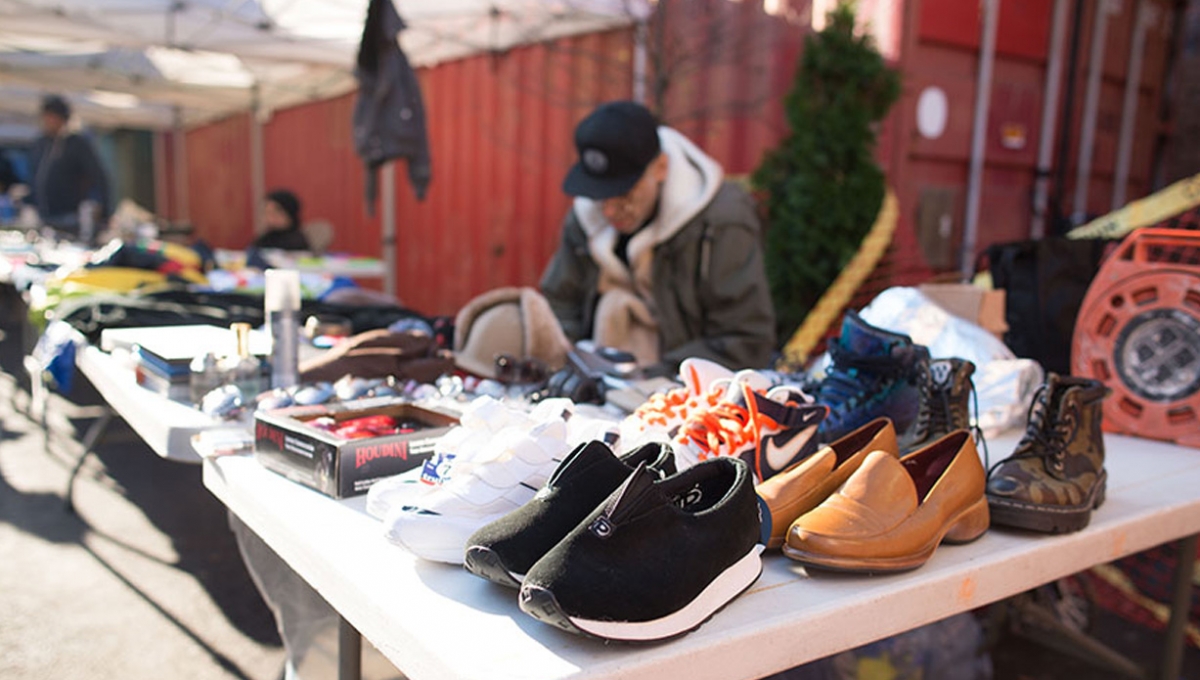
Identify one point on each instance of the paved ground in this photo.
(146, 581)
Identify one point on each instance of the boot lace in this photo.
(1048, 442)
(936, 415)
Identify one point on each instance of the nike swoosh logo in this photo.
(777, 457)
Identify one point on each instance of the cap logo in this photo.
(595, 161)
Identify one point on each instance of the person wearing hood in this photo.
(660, 256)
(281, 217)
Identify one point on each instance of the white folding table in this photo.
(438, 621)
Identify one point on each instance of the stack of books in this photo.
(164, 353)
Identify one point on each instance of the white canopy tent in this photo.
(170, 63)
(212, 57)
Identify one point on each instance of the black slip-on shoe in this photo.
(505, 549)
(656, 560)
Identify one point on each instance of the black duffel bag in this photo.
(1044, 281)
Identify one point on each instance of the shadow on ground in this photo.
(171, 496)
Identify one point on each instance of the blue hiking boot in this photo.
(875, 373)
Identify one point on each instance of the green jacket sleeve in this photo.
(564, 281)
(738, 316)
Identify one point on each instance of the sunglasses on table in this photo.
(512, 370)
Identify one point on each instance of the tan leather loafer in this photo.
(891, 514)
(803, 486)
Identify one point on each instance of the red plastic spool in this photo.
(1138, 331)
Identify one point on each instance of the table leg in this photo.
(349, 651)
(1181, 605)
(39, 393)
(90, 440)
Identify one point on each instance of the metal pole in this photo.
(1066, 124)
(257, 171)
(640, 33)
(1147, 16)
(983, 97)
(179, 140)
(1054, 72)
(1181, 605)
(349, 651)
(1091, 106)
(387, 177)
(158, 147)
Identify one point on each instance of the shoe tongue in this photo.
(637, 491)
(699, 374)
(941, 373)
(859, 337)
(756, 381)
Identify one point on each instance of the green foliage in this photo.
(823, 188)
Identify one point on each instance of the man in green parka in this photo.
(659, 255)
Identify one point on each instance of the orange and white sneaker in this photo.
(768, 428)
(660, 418)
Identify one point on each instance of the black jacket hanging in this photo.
(389, 118)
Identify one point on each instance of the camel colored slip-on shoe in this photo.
(891, 514)
(803, 486)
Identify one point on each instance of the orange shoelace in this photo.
(726, 427)
(677, 404)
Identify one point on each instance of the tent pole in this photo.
(257, 170)
(388, 227)
(640, 32)
(181, 179)
(158, 147)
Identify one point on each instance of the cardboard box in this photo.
(980, 306)
(338, 467)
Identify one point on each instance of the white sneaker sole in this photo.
(437, 538)
(723, 589)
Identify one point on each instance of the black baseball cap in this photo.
(616, 144)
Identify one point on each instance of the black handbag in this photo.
(1044, 282)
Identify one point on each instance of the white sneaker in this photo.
(436, 525)
(769, 428)
(689, 451)
(659, 419)
(480, 422)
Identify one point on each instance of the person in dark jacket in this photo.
(65, 170)
(660, 256)
(281, 217)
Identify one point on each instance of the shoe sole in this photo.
(436, 538)
(541, 604)
(485, 563)
(1049, 519)
(967, 526)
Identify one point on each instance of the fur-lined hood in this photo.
(693, 179)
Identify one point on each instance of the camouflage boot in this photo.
(945, 403)
(1056, 477)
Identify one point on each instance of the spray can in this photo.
(282, 306)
